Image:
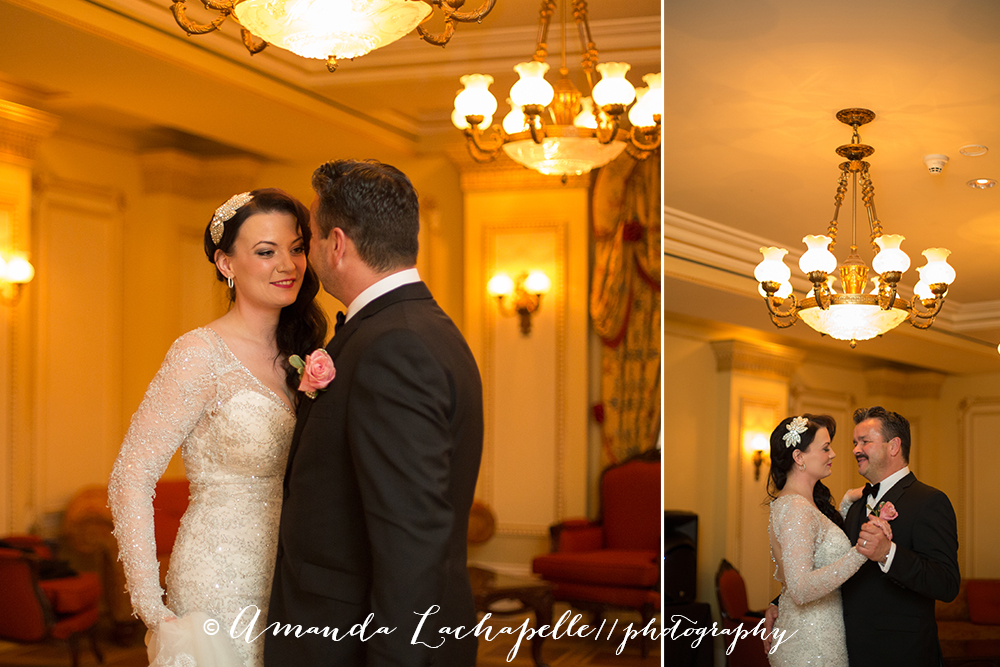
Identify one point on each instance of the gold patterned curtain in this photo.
(625, 304)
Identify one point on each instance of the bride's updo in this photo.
(301, 325)
(782, 460)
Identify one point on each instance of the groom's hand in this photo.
(873, 542)
(770, 617)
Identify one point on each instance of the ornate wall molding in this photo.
(179, 173)
(903, 384)
(766, 360)
(558, 232)
(965, 507)
(21, 130)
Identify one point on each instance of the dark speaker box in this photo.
(680, 556)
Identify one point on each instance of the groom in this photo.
(383, 464)
(889, 602)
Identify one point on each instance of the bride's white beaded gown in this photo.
(813, 557)
(234, 434)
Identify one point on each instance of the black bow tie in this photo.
(870, 489)
(341, 318)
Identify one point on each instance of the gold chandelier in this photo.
(556, 130)
(330, 29)
(854, 314)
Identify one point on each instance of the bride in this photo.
(225, 395)
(808, 543)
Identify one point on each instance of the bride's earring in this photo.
(229, 282)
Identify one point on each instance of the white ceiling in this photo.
(753, 87)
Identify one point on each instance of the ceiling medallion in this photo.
(854, 314)
(330, 29)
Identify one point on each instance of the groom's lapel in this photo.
(301, 415)
(898, 489)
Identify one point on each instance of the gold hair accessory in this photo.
(795, 427)
(225, 212)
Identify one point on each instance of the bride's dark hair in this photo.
(301, 325)
(782, 461)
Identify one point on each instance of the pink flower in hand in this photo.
(888, 512)
(315, 373)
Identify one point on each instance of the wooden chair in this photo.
(731, 592)
(34, 610)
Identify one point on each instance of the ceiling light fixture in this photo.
(855, 315)
(330, 29)
(981, 183)
(556, 130)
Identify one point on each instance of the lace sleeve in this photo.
(174, 401)
(845, 504)
(796, 526)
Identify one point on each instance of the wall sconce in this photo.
(522, 297)
(759, 445)
(14, 272)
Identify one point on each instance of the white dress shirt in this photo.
(870, 502)
(383, 286)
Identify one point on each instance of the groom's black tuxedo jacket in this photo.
(380, 479)
(889, 617)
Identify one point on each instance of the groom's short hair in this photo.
(893, 425)
(375, 205)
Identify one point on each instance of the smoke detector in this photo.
(935, 162)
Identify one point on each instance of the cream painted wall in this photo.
(695, 461)
(535, 456)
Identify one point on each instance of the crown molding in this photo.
(179, 173)
(727, 250)
(21, 130)
(904, 384)
(766, 360)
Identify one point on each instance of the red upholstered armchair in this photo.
(614, 562)
(733, 607)
(34, 610)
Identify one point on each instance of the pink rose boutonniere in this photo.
(315, 373)
(886, 511)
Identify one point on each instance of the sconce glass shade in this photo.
(937, 269)
(17, 270)
(474, 100)
(532, 88)
(586, 117)
(323, 28)
(649, 102)
(853, 321)
(817, 257)
(613, 88)
(890, 257)
(773, 268)
(515, 121)
(500, 285)
(537, 283)
(923, 290)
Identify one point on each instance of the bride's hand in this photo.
(854, 495)
(883, 525)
